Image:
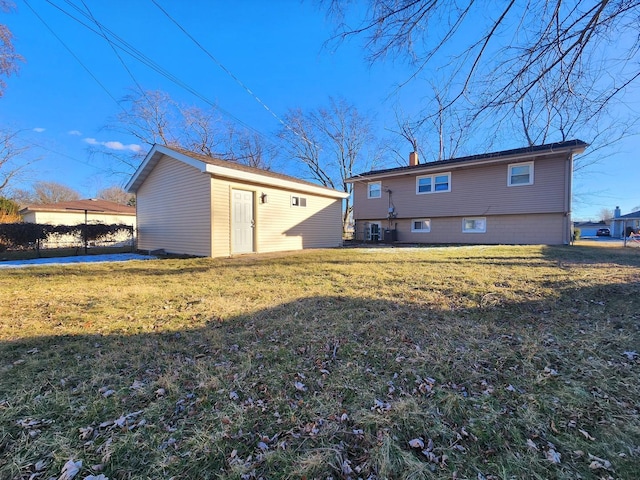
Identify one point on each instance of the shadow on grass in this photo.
(326, 385)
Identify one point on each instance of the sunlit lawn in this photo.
(461, 362)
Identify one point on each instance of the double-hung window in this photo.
(520, 174)
(374, 190)
(433, 183)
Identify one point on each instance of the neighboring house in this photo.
(189, 203)
(520, 196)
(590, 229)
(623, 222)
(75, 212)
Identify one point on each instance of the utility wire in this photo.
(115, 50)
(136, 54)
(74, 55)
(236, 79)
(217, 62)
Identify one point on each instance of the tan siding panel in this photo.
(535, 229)
(173, 207)
(475, 191)
(221, 211)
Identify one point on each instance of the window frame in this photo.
(474, 230)
(298, 201)
(432, 183)
(510, 175)
(379, 184)
(424, 221)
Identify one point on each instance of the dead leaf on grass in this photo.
(553, 456)
(416, 443)
(598, 463)
(381, 406)
(70, 469)
(137, 385)
(586, 434)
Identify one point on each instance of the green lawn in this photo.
(454, 363)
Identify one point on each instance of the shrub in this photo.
(576, 233)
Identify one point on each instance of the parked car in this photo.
(603, 232)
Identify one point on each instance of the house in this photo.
(520, 196)
(622, 223)
(590, 229)
(76, 212)
(197, 205)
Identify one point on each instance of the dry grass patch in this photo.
(465, 362)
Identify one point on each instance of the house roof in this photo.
(590, 224)
(224, 168)
(93, 205)
(573, 146)
(629, 216)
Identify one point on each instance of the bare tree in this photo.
(546, 70)
(330, 142)
(9, 59)
(606, 215)
(517, 44)
(154, 117)
(116, 194)
(13, 157)
(46, 192)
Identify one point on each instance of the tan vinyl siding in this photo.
(475, 191)
(534, 229)
(279, 226)
(173, 206)
(221, 218)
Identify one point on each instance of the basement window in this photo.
(474, 225)
(421, 225)
(298, 201)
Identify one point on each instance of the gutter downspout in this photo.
(568, 234)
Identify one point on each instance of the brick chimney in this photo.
(413, 159)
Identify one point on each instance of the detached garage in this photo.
(187, 203)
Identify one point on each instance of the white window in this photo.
(474, 225)
(298, 201)
(433, 183)
(374, 190)
(421, 225)
(520, 174)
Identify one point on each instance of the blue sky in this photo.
(277, 49)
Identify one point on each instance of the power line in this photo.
(126, 47)
(217, 62)
(73, 54)
(114, 50)
(228, 72)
